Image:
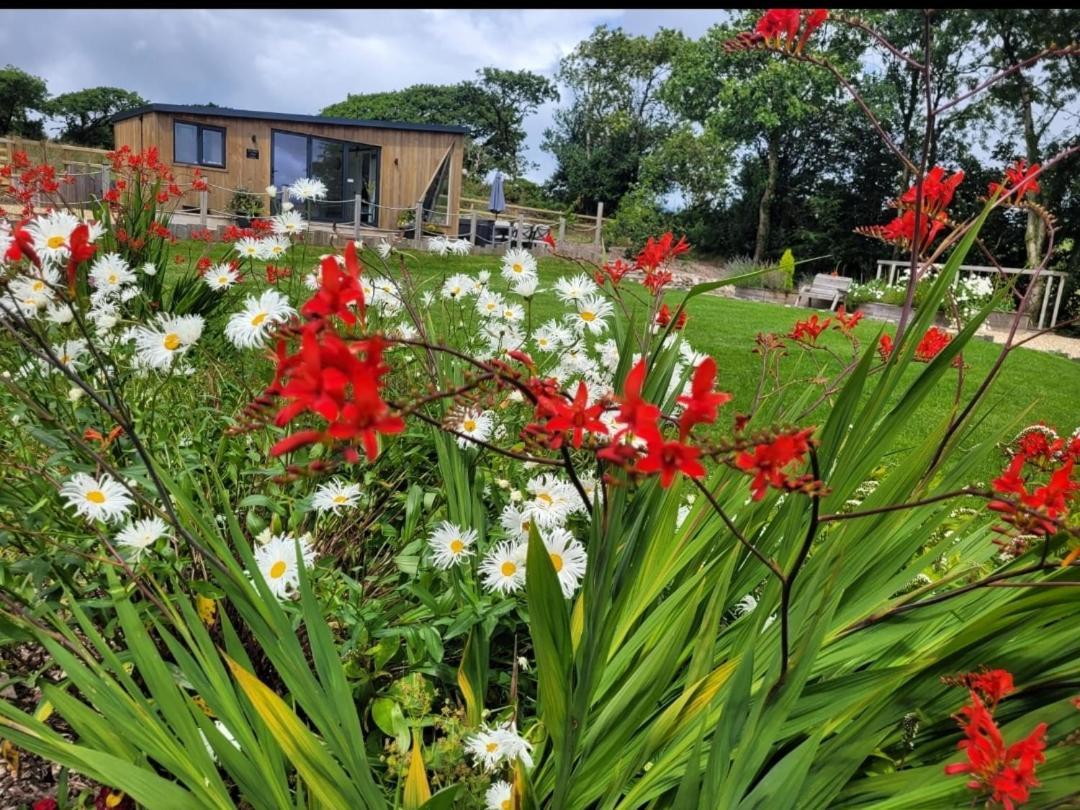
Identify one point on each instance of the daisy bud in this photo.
(75, 394)
(271, 190)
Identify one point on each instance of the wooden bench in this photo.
(827, 288)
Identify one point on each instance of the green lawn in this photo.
(1047, 384)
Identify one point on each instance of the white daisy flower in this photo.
(575, 288)
(31, 293)
(552, 501)
(525, 286)
(50, 234)
(249, 327)
(274, 247)
(567, 557)
(451, 544)
(221, 276)
(503, 568)
(460, 247)
(249, 248)
(383, 249)
(279, 565)
(475, 425)
(288, 223)
(512, 313)
(70, 352)
(109, 273)
(517, 263)
(551, 335)
(690, 357)
(591, 314)
(308, 188)
(486, 747)
(500, 336)
(335, 495)
(456, 287)
(287, 206)
(149, 269)
(271, 190)
(490, 304)
(96, 498)
(745, 605)
(312, 282)
(104, 315)
(499, 796)
(141, 534)
(516, 522)
(609, 354)
(158, 346)
(60, 314)
(438, 245)
(588, 483)
(483, 277)
(514, 745)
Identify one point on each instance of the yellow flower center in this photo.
(506, 805)
(492, 747)
(469, 425)
(222, 279)
(518, 267)
(277, 250)
(65, 359)
(340, 499)
(112, 279)
(457, 546)
(543, 496)
(38, 286)
(95, 496)
(55, 242)
(258, 319)
(556, 561)
(278, 569)
(171, 342)
(508, 314)
(490, 307)
(588, 316)
(508, 569)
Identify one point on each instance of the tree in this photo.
(1031, 100)
(616, 118)
(86, 114)
(492, 109)
(21, 94)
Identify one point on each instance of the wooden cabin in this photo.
(387, 165)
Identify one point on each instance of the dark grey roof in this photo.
(226, 112)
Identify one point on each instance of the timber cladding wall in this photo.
(407, 163)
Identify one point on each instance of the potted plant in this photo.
(245, 205)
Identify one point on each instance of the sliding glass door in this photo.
(347, 169)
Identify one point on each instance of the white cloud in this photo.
(301, 61)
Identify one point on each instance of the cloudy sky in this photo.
(301, 61)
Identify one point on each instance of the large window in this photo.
(348, 170)
(199, 145)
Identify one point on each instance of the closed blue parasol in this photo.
(497, 201)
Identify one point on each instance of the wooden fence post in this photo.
(599, 223)
(358, 203)
(106, 181)
(562, 228)
(520, 230)
(204, 205)
(472, 228)
(418, 224)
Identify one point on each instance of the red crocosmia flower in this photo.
(701, 404)
(203, 264)
(1019, 180)
(639, 415)
(844, 322)
(885, 347)
(340, 289)
(993, 684)
(656, 253)
(809, 329)
(669, 459)
(549, 240)
(1011, 482)
(777, 23)
(937, 191)
(1005, 773)
(613, 271)
(578, 417)
(656, 280)
(663, 317)
(931, 344)
(80, 251)
(768, 460)
(46, 804)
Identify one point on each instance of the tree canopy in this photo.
(85, 114)
(21, 94)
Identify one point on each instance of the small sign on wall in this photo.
(252, 153)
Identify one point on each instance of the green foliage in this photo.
(492, 108)
(20, 95)
(85, 114)
(246, 203)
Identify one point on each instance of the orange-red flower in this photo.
(339, 290)
(844, 322)
(701, 404)
(578, 417)
(1020, 179)
(807, 331)
(668, 458)
(769, 460)
(931, 344)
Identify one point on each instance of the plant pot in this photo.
(243, 221)
(880, 312)
(1003, 320)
